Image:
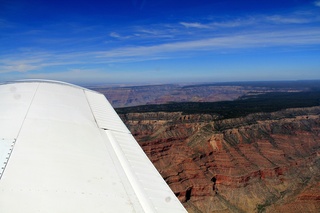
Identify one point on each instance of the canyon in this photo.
(261, 162)
(125, 96)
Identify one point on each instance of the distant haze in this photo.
(126, 96)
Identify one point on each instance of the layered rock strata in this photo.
(262, 162)
(160, 94)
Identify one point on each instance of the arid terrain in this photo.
(265, 162)
(161, 94)
(258, 150)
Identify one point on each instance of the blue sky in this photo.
(159, 41)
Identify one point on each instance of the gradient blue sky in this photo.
(159, 41)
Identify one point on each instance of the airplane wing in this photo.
(63, 148)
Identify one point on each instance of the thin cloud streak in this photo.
(290, 20)
(114, 35)
(161, 41)
(254, 21)
(239, 42)
(250, 40)
(194, 25)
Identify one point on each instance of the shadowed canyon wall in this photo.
(264, 162)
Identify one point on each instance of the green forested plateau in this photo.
(269, 102)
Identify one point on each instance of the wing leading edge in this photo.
(63, 148)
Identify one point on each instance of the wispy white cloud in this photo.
(222, 24)
(237, 22)
(155, 32)
(29, 60)
(254, 21)
(161, 41)
(194, 25)
(18, 65)
(253, 40)
(289, 20)
(240, 41)
(293, 17)
(114, 35)
(119, 36)
(317, 3)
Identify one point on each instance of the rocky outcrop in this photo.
(261, 162)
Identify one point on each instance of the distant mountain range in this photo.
(213, 92)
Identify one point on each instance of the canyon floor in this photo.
(258, 153)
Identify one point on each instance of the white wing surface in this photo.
(63, 148)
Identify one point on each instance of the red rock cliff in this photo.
(262, 162)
